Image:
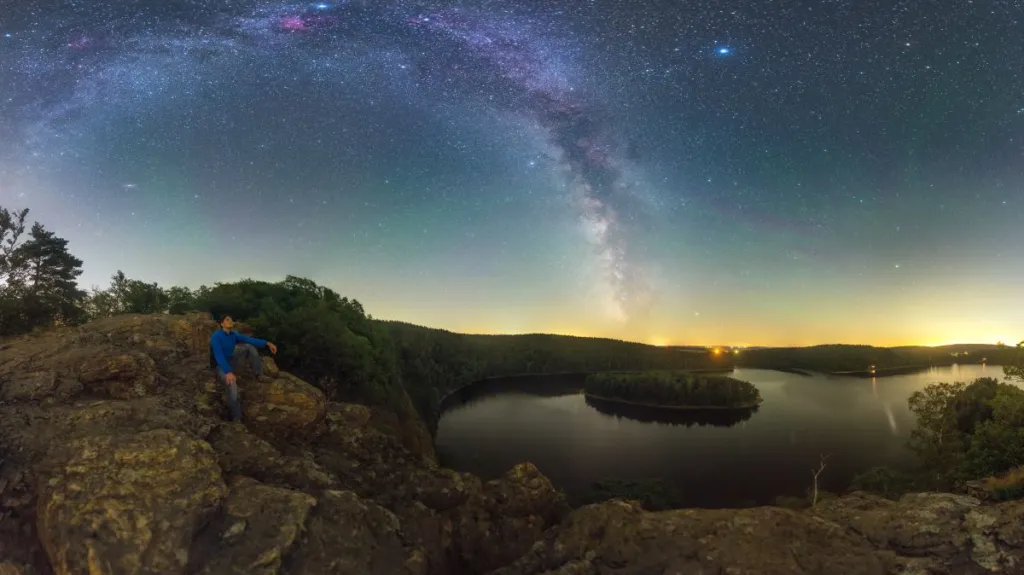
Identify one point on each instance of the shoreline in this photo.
(883, 372)
(675, 407)
(470, 387)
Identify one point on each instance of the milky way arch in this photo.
(508, 61)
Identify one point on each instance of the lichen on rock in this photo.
(285, 405)
(126, 503)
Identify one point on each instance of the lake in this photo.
(714, 462)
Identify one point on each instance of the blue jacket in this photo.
(222, 347)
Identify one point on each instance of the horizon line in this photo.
(705, 346)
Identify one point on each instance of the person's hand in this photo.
(272, 347)
(231, 378)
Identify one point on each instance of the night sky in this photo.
(705, 172)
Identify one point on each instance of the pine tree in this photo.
(51, 278)
(40, 278)
(12, 226)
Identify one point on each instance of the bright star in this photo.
(724, 51)
(322, 6)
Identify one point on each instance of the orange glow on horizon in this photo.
(662, 341)
(716, 335)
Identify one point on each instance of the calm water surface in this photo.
(860, 423)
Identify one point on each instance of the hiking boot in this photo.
(264, 378)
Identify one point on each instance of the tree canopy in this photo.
(39, 277)
(674, 389)
(964, 432)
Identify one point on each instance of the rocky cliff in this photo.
(116, 459)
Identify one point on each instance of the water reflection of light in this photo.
(892, 418)
(874, 386)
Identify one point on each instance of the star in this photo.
(678, 156)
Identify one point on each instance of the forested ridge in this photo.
(838, 358)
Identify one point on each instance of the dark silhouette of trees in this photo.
(839, 358)
(1013, 361)
(680, 417)
(674, 389)
(967, 431)
(324, 338)
(127, 296)
(39, 278)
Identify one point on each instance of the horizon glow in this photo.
(584, 169)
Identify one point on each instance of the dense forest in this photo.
(674, 389)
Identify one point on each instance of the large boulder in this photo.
(126, 503)
(938, 529)
(349, 535)
(32, 385)
(502, 520)
(619, 536)
(286, 405)
(258, 527)
(29, 431)
(240, 452)
(858, 534)
(118, 374)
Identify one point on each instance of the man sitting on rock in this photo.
(227, 349)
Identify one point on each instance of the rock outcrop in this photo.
(116, 459)
(859, 534)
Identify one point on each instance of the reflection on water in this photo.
(859, 422)
(547, 386)
(685, 418)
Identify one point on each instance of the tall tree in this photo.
(39, 277)
(180, 299)
(12, 226)
(50, 278)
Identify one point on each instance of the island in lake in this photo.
(674, 390)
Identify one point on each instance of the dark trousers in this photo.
(244, 352)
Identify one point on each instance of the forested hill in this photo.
(435, 361)
(834, 358)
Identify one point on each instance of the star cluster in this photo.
(708, 172)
